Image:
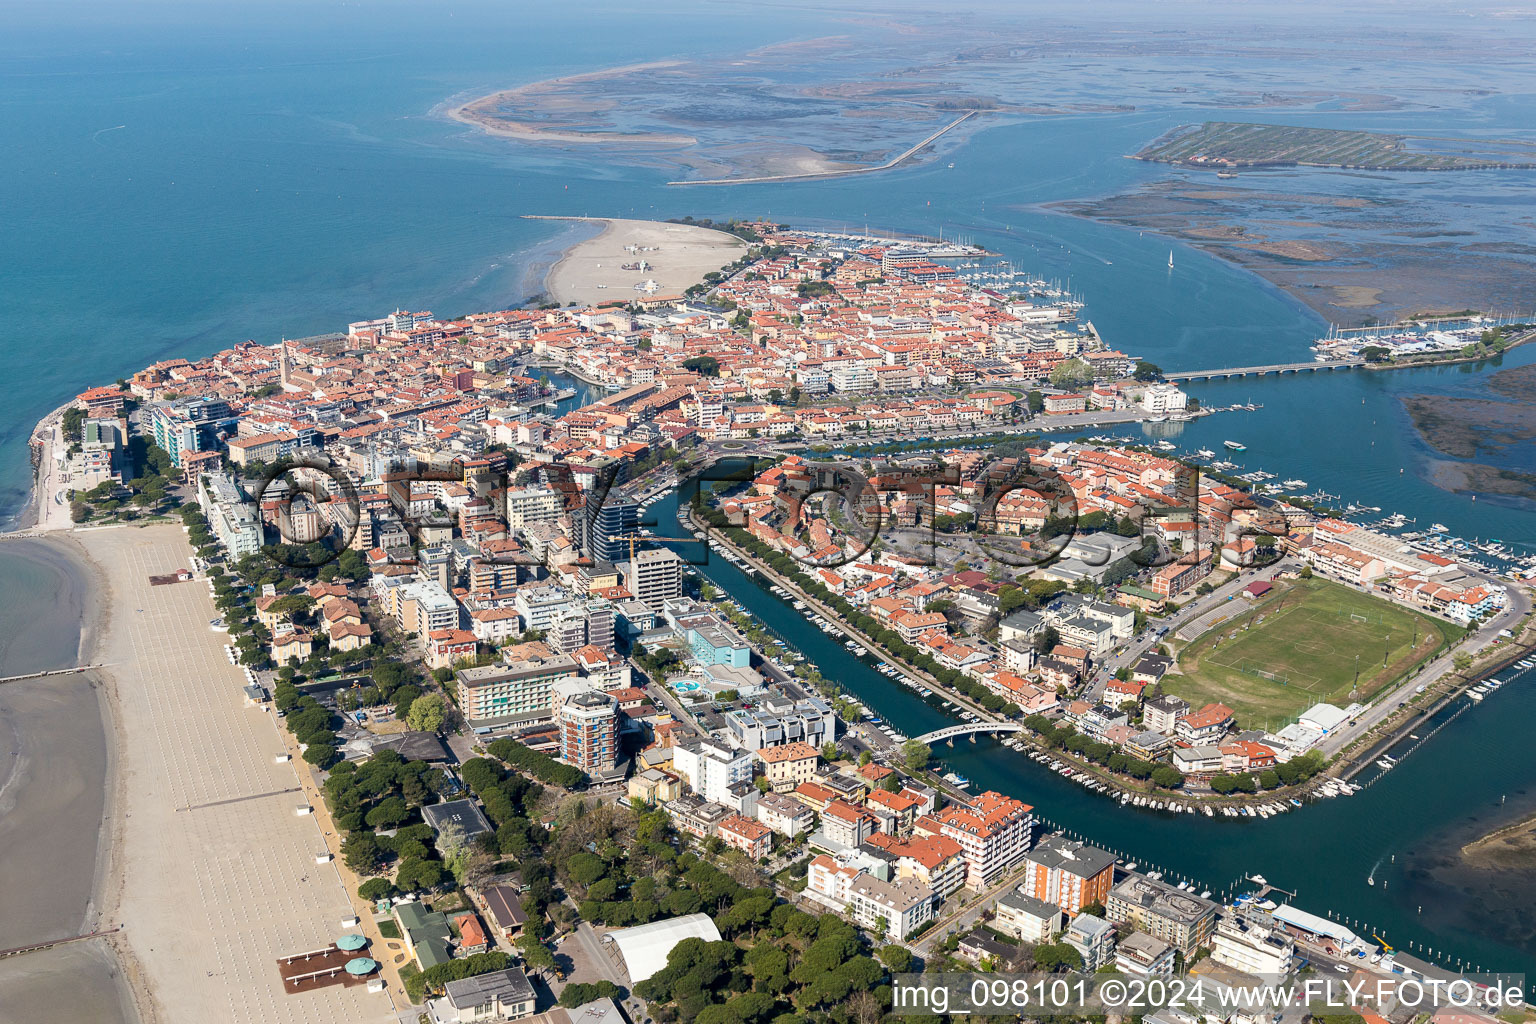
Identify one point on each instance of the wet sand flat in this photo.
(216, 874)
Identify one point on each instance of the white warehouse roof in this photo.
(1298, 918)
(645, 947)
(1323, 717)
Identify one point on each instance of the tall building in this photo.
(523, 691)
(589, 731)
(654, 576)
(532, 505)
(607, 526)
(993, 833)
(231, 517)
(1070, 875)
(187, 426)
(712, 768)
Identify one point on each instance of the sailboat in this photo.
(1170, 259)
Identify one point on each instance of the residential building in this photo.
(1141, 955)
(1024, 917)
(654, 576)
(1093, 938)
(231, 517)
(655, 786)
(494, 996)
(1068, 874)
(777, 721)
(897, 908)
(788, 765)
(752, 838)
(1163, 911)
(711, 768)
(589, 731)
(846, 824)
(521, 690)
(784, 814)
(993, 832)
(1252, 945)
(1162, 714)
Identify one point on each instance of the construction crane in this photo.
(1383, 943)
(632, 537)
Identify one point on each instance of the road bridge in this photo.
(1260, 371)
(972, 729)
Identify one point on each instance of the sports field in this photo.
(1301, 645)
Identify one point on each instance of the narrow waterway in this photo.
(1325, 852)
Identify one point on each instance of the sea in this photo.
(182, 177)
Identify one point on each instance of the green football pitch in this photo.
(1308, 641)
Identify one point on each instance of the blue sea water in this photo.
(181, 177)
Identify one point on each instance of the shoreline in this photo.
(119, 976)
(479, 113)
(590, 272)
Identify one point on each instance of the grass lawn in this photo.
(1300, 646)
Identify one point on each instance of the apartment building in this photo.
(1253, 945)
(712, 768)
(1093, 938)
(1068, 874)
(897, 908)
(993, 832)
(1027, 918)
(1163, 911)
(784, 814)
(589, 731)
(654, 576)
(1142, 955)
(521, 691)
(777, 721)
(788, 765)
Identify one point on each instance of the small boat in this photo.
(1170, 259)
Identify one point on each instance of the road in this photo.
(1518, 606)
(1150, 637)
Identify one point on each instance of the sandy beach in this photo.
(212, 875)
(677, 255)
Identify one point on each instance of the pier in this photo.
(37, 946)
(51, 672)
(1261, 371)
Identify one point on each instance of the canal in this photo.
(1405, 830)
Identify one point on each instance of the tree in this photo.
(1071, 373)
(1147, 371)
(897, 959)
(389, 813)
(704, 366)
(416, 874)
(428, 713)
(376, 889)
(361, 852)
(915, 754)
(1167, 776)
(1462, 661)
(321, 755)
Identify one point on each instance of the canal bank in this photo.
(1325, 852)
